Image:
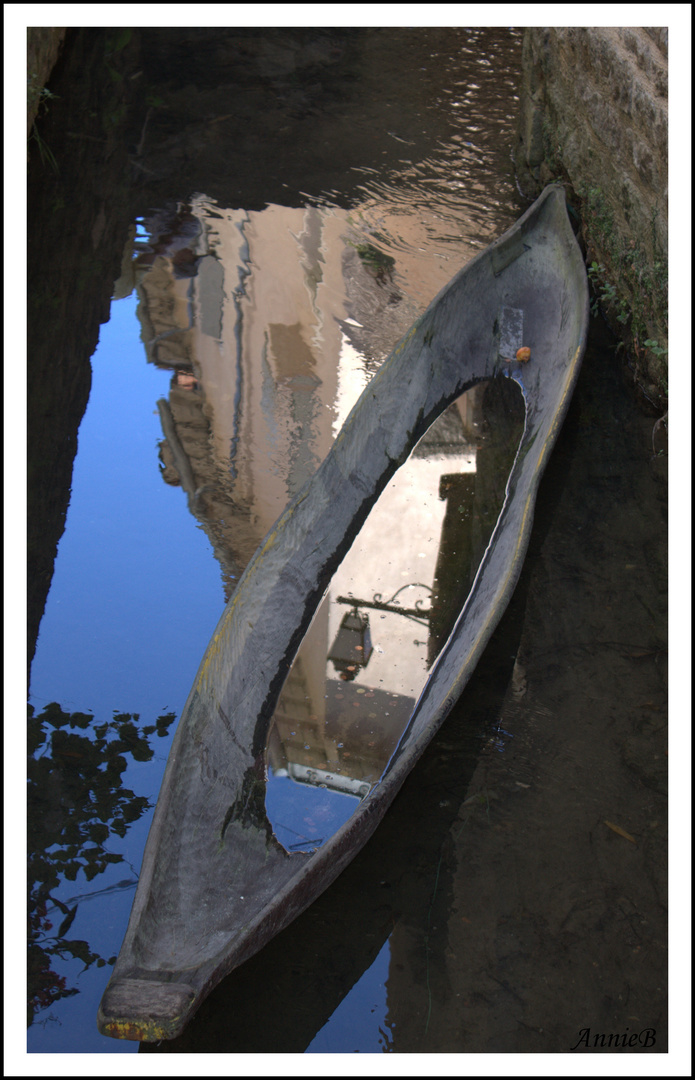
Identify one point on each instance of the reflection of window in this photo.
(211, 296)
(186, 380)
(292, 358)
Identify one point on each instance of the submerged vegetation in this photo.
(377, 262)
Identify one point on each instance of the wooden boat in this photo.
(215, 883)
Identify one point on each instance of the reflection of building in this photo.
(247, 310)
(270, 322)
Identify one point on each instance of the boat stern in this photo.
(145, 1011)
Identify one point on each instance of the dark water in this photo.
(297, 199)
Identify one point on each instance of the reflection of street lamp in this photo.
(417, 613)
(352, 646)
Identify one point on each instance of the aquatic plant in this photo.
(76, 802)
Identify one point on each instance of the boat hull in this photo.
(215, 884)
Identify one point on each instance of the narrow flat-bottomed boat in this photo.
(216, 884)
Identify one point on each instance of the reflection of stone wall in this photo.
(77, 225)
(594, 109)
(43, 48)
(174, 271)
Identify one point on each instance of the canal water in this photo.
(294, 200)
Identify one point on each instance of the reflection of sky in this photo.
(131, 600)
(305, 816)
(359, 1022)
(134, 599)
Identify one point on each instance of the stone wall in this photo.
(594, 113)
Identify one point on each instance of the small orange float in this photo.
(523, 355)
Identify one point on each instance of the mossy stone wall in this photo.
(594, 113)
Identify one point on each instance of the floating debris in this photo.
(620, 832)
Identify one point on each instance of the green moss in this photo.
(374, 259)
(552, 150)
(630, 283)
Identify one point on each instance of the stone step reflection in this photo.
(386, 616)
